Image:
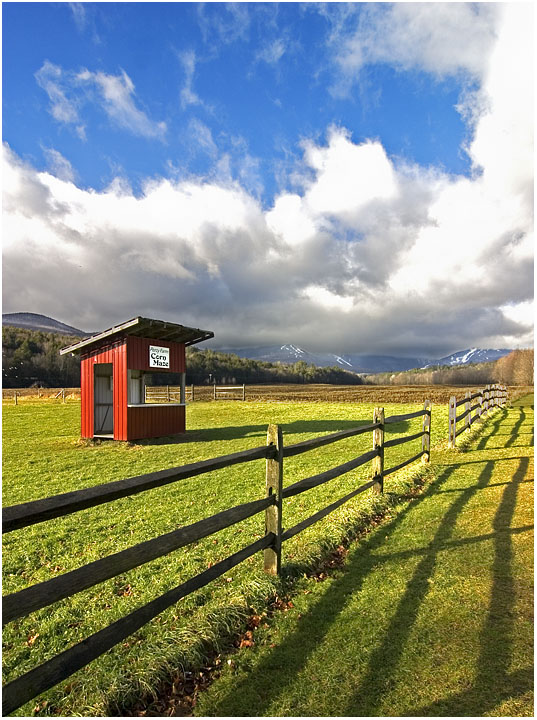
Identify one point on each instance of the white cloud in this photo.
(202, 137)
(57, 85)
(117, 96)
(365, 256)
(79, 15)
(231, 22)
(439, 38)
(272, 52)
(187, 94)
(59, 165)
(114, 93)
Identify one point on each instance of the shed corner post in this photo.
(377, 464)
(426, 439)
(273, 514)
(452, 422)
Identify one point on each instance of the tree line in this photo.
(31, 358)
(516, 368)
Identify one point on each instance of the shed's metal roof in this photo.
(144, 327)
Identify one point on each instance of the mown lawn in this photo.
(43, 456)
(430, 615)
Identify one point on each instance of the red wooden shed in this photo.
(114, 369)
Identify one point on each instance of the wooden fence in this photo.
(229, 392)
(37, 392)
(24, 602)
(172, 393)
(167, 393)
(489, 397)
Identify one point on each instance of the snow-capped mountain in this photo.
(357, 362)
(472, 355)
(290, 353)
(362, 363)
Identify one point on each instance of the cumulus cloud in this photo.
(365, 255)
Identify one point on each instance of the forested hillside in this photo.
(32, 358)
(516, 368)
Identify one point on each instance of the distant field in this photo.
(43, 455)
(309, 393)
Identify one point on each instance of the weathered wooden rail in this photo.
(171, 393)
(488, 398)
(167, 393)
(229, 392)
(21, 603)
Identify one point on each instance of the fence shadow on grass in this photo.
(493, 682)
(384, 660)
(289, 658)
(491, 430)
(296, 427)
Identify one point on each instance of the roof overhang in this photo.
(143, 327)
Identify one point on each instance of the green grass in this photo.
(431, 613)
(43, 456)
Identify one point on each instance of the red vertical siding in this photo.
(120, 392)
(86, 393)
(155, 421)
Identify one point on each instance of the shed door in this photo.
(103, 394)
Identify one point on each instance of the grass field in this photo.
(430, 615)
(43, 456)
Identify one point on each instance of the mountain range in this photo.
(288, 353)
(33, 321)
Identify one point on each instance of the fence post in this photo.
(214, 391)
(377, 464)
(480, 408)
(452, 422)
(273, 514)
(243, 391)
(16, 397)
(63, 395)
(426, 439)
(467, 407)
(192, 392)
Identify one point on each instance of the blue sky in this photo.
(259, 90)
(347, 149)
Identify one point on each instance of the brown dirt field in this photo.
(308, 393)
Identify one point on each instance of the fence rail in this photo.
(229, 390)
(488, 398)
(35, 597)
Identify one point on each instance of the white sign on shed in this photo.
(159, 357)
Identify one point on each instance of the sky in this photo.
(345, 177)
